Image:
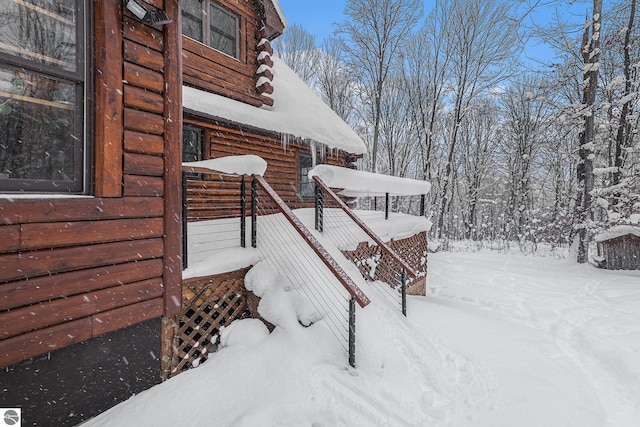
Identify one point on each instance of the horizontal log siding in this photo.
(207, 69)
(72, 269)
(218, 197)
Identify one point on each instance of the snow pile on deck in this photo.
(297, 110)
(503, 340)
(249, 164)
(360, 183)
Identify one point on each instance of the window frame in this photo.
(81, 78)
(202, 137)
(205, 10)
(302, 179)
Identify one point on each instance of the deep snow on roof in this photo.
(297, 110)
(618, 231)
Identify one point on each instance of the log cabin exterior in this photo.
(90, 191)
(97, 116)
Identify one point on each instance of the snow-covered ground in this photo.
(500, 340)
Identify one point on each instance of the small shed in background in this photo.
(620, 247)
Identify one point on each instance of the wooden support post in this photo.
(168, 348)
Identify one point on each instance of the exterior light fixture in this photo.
(147, 12)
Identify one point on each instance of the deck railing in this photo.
(375, 258)
(250, 205)
(293, 250)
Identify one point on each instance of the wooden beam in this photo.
(173, 160)
(108, 99)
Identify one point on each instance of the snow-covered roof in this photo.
(283, 18)
(241, 165)
(297, 110)
(618, 231)
(360, 184)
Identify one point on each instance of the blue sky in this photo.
(318, 17)
(315, 16)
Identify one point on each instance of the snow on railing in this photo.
(288, 245)
(375, 258)
(284, 242)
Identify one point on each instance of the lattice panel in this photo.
(208, 305)
(374, 265)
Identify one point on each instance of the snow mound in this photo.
(248, 164)
(357, 183)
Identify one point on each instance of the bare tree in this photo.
(297, 48)
(591, 58)
(395, 132)
(375, 33)
(482, 38)
(335, 80)
(425, 72)
(525, 119)
(479, 142)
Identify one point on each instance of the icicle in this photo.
(314, 156)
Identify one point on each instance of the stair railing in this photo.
(376, 262)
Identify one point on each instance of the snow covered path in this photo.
(560, 341)
(501, 340)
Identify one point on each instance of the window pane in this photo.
(191, 144)
(223, 44)
(307, 185)
(38, 138)
(224, 31)
(192, 19)
(39, 30)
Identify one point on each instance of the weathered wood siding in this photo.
(622, 253)
(218, 197)
(208, 69)
(75, 268)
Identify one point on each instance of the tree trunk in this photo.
(590, 56)
(622, 135)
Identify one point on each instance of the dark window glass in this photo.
(192, 19)
(42, 31)
(223, 31)
(191, 147)
(191, 144)
(42, 105)
(307, 185)
(38, 129)
(211, 24)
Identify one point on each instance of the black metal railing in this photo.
(279, 236)
(375, 259)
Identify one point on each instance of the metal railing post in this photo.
(404, 292)
(254, 213)
(386, 206)
(185, 261)
(352, 332)
(422, 204)
(319, 223)
(243, 211)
